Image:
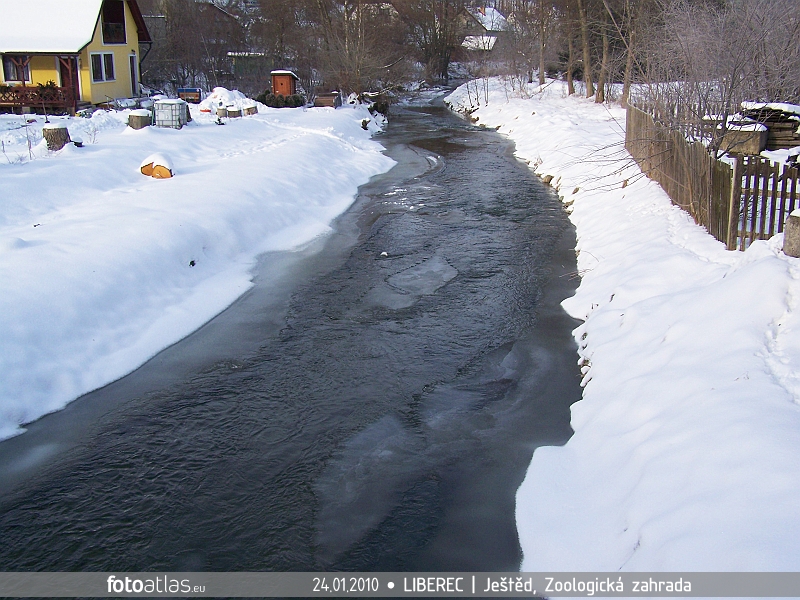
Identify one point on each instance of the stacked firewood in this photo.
(782, 121)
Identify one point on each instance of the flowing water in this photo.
(371, 404)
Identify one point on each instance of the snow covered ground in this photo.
(102, 267)
(686, 452)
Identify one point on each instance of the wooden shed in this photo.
(284, 83)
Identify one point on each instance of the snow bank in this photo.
(684, 455)
(221, 96)
(102, 267)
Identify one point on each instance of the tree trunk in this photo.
(541, 43)
(601, 83)
(626, 85)
(587, 58)
(56, 135)
(571, 53)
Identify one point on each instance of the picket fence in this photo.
(737, 203)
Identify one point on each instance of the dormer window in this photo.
(114, 22)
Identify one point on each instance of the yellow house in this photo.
(81, 51)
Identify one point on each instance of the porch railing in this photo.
(47, 97)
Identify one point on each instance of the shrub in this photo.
(279, 101)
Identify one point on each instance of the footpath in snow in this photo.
(102, 267)
(686, 451)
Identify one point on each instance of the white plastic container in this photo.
(171, 113)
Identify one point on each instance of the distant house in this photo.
(484, 27)
(87, 50)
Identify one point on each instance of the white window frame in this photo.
(102, 56)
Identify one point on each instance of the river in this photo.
(372, 403)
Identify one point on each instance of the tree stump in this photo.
(56, 135)
(791, 235)
(139, 119)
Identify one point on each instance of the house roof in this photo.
(489, 18)
(284, 72)
(479, 42)
(54, 26)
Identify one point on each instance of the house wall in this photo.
(120, 87)
(42, 69)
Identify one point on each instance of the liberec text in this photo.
(434, 584)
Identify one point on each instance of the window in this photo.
(103, 67)
(15, 68)
(114, 22)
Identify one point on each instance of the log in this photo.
(222, 112)
(791, 235)
(56, 135)
(139, 119)
(234, 112)
(161, 172)
(157, 166)
(250, 110)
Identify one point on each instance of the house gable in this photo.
(47, 26)
(47, 32)
(105, 68)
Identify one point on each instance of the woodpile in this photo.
(782, 121)
(332, 99)
(56, 135)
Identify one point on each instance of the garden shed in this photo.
(284, 82)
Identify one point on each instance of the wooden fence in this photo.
(767, 194)
(737, 203)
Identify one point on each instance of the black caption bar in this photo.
(398, 585)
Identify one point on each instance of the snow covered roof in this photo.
(53, 26)
(491, 19)
(47, 25)
(283, 72)
(779, 106)
(479, 42)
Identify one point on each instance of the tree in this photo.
(362, 42)
(703, 60)
(436, 28)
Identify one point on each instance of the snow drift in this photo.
(684, 455)
(102, 268)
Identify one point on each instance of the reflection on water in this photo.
(385, 425)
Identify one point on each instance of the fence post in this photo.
(734, 202)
